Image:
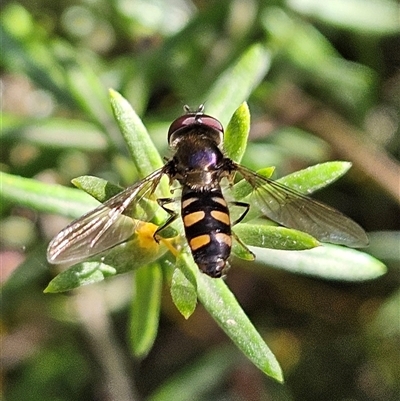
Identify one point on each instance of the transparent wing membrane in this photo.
(105, 226)
(295, 210)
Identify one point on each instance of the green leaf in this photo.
(237, 132)
(81, 274)
(183, 291)
(43, 197)
(370, 17)
(328, 261)
(145, 308)
(219, 301)
(100, 189)
(271, 237)
(236, 84)
(226, 311)
(314, 178)
(141, 148)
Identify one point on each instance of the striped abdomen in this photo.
(207, 225)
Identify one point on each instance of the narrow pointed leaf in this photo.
(183, 292)
(43, 197)
(272, 237)
(224, 308)
(329, 261)
(82, 274)
(100, 189)
(373, 17)
(313, 178)
(219, 301)
(141, 148)
(145, 308)
(237, 132)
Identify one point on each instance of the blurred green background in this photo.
(331, 91)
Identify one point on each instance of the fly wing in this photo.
(295, 210)
(103, 227)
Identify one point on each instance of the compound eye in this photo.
(196, 119)
(212, 123)
(181, 122)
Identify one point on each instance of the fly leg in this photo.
(172, 214)
(246, 207)
(172, 217)
(244, 252)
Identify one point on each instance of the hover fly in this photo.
(199, 165)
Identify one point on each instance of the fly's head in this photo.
(195, 123)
